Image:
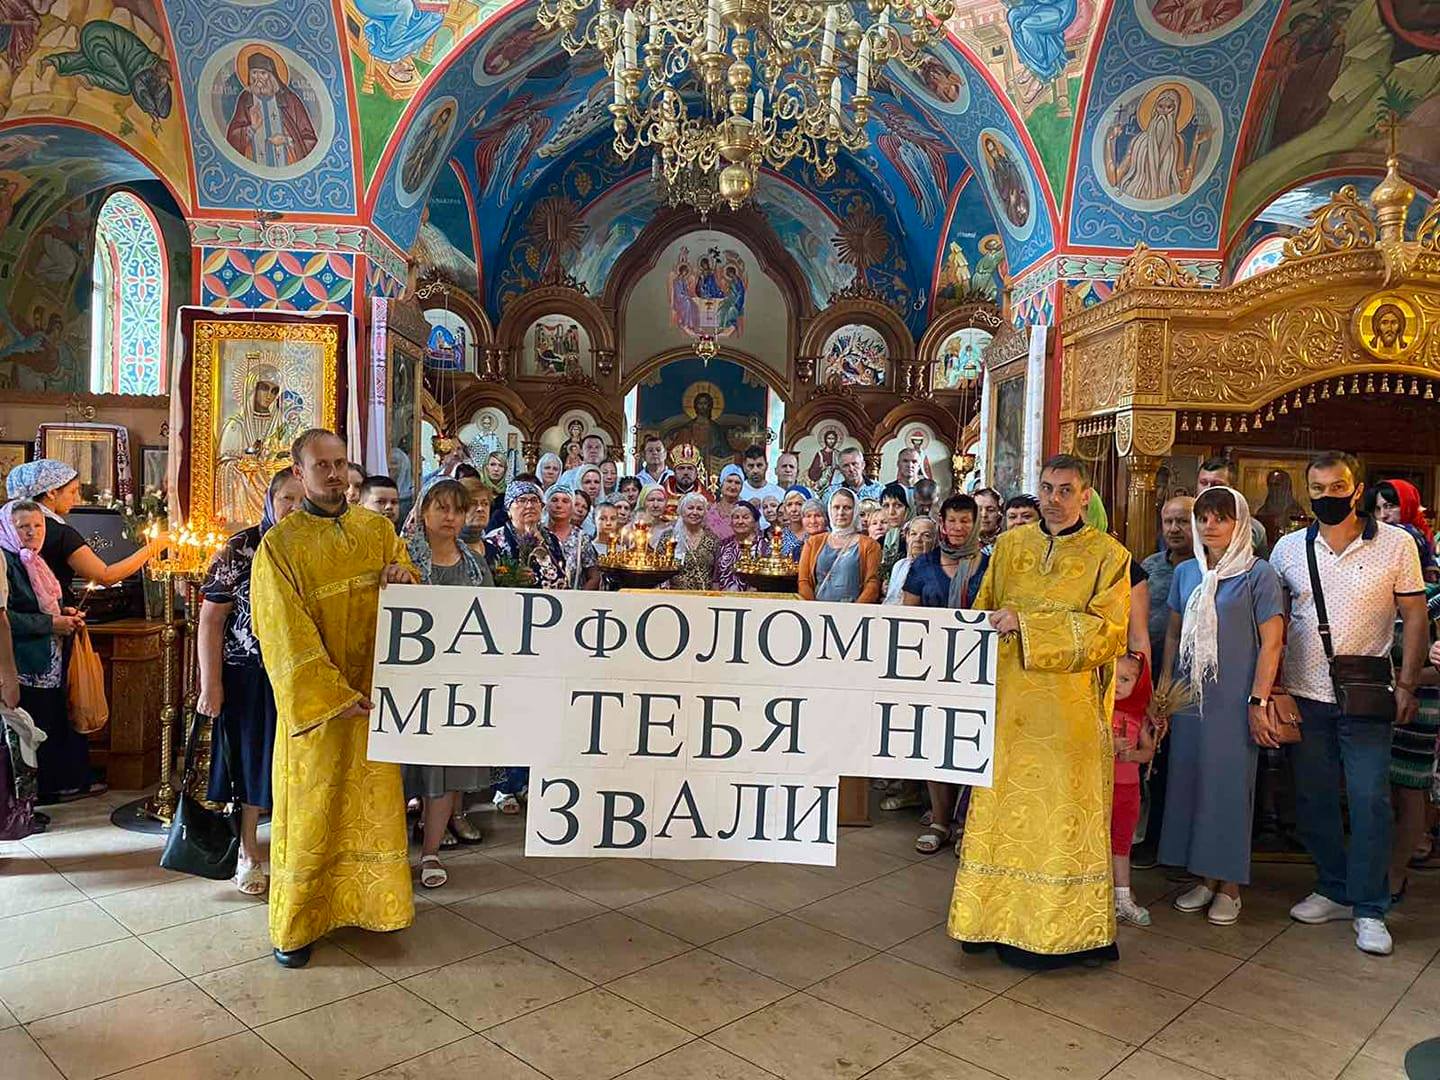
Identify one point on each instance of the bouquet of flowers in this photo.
(152, 505)
(512, 573)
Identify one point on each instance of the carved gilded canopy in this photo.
(1352, 297)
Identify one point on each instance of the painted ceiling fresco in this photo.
(1036, 126)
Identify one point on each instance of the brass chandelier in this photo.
(720, 87)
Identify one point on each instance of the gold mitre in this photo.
(685, 454)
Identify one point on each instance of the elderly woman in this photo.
(55, 486)
(548, 470)
(234, 689)
(442, 559)
(949, 576)
(814, 519)
(919, 537)
(39, 622)
(697, 548)
(524, 541)
(1225, 637)
(727, 497)
(843, 565)
(581, 570)
(654, 504)
(745, 530)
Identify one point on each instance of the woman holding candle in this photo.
(234, 689)
(39, 623)
(55, 486)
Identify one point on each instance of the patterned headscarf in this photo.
(42, 578)
(516, 488)
(36, 478)
(560, 487)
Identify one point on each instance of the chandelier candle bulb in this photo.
(862, 74)
(758, 111)
(835, 101)
(654, 36)
(827, 43)
(712, 27)
(631, 37)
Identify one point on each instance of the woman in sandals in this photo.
(442, 559)
(949, 575)
(234, 688)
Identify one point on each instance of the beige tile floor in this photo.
(523, 969)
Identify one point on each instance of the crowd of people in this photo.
(1134, 698)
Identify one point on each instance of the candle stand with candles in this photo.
(632, 563)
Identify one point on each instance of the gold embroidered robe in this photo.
(1035, 871)
(337, 832)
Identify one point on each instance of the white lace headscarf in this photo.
(1200, 630)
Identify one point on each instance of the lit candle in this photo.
(827, 45)
(712, 27)
(758, 111)
(862, 76)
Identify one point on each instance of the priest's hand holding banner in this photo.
(687, 727)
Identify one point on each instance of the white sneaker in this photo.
(1129, 912)
(1372, 937)
(1316, 909)
(1224, 910)
(1197, 899)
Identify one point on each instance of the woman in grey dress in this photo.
(1225, 637)
(442, 559)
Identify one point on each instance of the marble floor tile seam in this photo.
(1149, 1046)
(180, 977)
(1151, 1050)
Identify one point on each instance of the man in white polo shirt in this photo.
(1368, 571)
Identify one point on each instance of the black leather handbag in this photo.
(1364, 685)
(202, 842)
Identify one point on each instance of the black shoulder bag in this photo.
(202, 842)
(1364, 685)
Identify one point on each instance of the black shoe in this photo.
(295, 958)
(1141, 859)
(39, 818)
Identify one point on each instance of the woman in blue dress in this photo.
(1225, 637)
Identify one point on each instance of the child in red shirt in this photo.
(1134, 743)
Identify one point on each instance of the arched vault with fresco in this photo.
(311, 156)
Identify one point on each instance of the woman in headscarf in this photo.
(1397, 502)
(697, 548)
(55, 486)
(609, 478)
(524, 541)
(843, 565)
(589, 480)
(39, 621)
(653, 503)
(814, 520)
(947, 576)
(727, 496)
(494, 474)
(443, 559)
(235, 692)
(1225, 637)
(582, 570)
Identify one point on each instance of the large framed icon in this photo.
(252, 386)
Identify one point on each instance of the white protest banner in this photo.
(682, 726)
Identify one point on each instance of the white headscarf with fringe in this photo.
(1200, 630)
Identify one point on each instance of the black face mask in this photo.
(1332, 509)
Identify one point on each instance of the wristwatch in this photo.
(1260, 701)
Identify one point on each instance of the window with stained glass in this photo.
(127, 341)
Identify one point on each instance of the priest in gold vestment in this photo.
(1035, 873)
(337, 833)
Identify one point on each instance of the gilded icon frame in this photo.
(290, 342)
